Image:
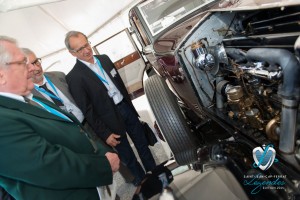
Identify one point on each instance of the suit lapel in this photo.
(108, 68)
(59, 84)
(55, 80)
(37, 93)
(52, 105)
(89, 74)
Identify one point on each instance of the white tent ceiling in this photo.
(42, 27)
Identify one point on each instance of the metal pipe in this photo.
(289, 63)
(289, 91)
(288, 126)
(219, 96)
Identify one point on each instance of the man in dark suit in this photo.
(100, 93)
(44, 156)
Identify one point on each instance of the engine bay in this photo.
(244, 66)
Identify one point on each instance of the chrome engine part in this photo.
(244, 64)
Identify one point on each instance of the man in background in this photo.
(100, 93)
(45, 155)
(52, 86)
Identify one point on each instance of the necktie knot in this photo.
(53, 97)
(44, 86)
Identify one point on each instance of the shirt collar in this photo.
(87, 63)
(29, 96)
(13, 96)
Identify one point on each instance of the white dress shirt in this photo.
(113, 91)
(69, 106)
(13, 96)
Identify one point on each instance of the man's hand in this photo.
(114, 161)
(112, 140)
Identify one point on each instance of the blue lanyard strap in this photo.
(103, 79)
(52, 110)
(52, 86)
(47, 93)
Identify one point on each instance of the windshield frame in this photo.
(165, 21)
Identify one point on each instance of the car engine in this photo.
(245, 68)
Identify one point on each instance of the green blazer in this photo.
(45, 157)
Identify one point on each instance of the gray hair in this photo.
(27, 51)
(72, 34)
(5, 55)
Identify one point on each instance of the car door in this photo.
(126, 56)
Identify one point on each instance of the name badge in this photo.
(111, 93)
(113, 72)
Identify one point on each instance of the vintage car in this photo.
(225, 91)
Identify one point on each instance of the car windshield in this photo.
(159, 14)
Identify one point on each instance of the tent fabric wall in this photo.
(42, 28)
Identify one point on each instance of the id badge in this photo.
(111, 93)
(70, 110)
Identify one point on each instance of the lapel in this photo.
(52, 105)
(108, 67)
(37, 93)
(72, 117)
(60, 83)
(55, 80)
(29, 109)
(88, 74)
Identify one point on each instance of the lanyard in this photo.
(52, 110)
(102, 70)
(47, 93)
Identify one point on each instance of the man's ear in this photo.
(71, 52)
(2, 77)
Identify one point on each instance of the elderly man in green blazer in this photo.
(44, 155)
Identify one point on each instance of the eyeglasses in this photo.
(88, 44)
(37, 62)
(25, 61)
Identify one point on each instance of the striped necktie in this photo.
(56, 101)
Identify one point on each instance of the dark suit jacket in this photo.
(59, 80)
(90, 94)
(46, 157)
